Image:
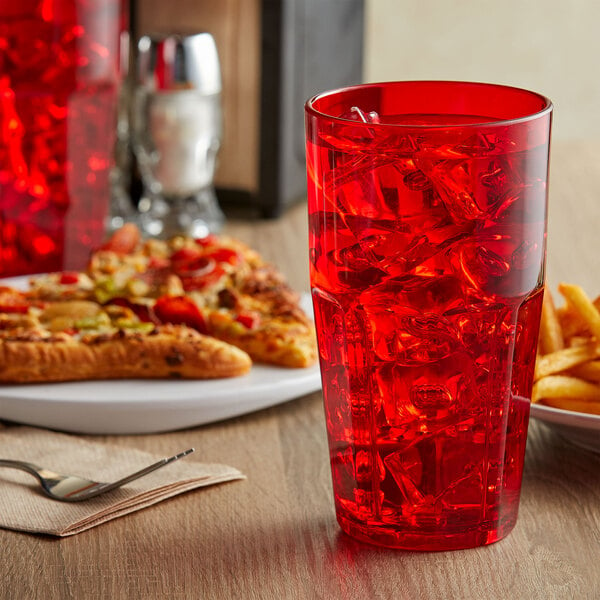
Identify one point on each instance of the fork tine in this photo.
(157, 465)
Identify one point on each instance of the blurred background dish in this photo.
(59, 87)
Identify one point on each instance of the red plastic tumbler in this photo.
(427, 217)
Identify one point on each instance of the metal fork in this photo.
(70, 488)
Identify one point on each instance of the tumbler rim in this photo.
(545, 109)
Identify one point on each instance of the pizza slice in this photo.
(216, 285)
(262, 316)
(75, 339)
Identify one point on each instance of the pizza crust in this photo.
(168, 352)
(281, 342)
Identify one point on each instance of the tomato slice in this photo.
(183, 256)
(249, 319)
(226, 255)
(14, 308)
(200, 267)
(13, 301)
(179, 310)
(194, 282)
(68, 277)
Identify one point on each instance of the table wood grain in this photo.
(274, 536)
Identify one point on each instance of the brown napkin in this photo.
(24, 507)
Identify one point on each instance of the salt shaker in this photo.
(177, 130)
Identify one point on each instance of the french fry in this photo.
(567, 358)
(583, 306)
(572, 404)
(578, 340)
(564, 386)
(589, 370)
(571, 323)
(551, 336)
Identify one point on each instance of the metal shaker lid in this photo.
(172, 62)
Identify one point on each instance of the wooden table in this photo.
(275, 535)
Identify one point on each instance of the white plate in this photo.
(152, 406)
(580, 428)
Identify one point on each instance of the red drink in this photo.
(427, 246)
(58, 90)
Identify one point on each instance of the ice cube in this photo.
(498, 176)
(454, 182)
(414, 294)
(342, 471)
(419, 399)
(329, 320)
(475, 187)
(465, 489)
(393, 385)
(372, 191)
(352, 270)
(417, 181)
(450, 459)
(368, 468)
(394, 252)
(406, 468)
(429, 397)
(350, 257)
(479, 325)
(527, 254)
(502, 260)
(408, 336)
(481, 262)
(524, 203)
(480, 144)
